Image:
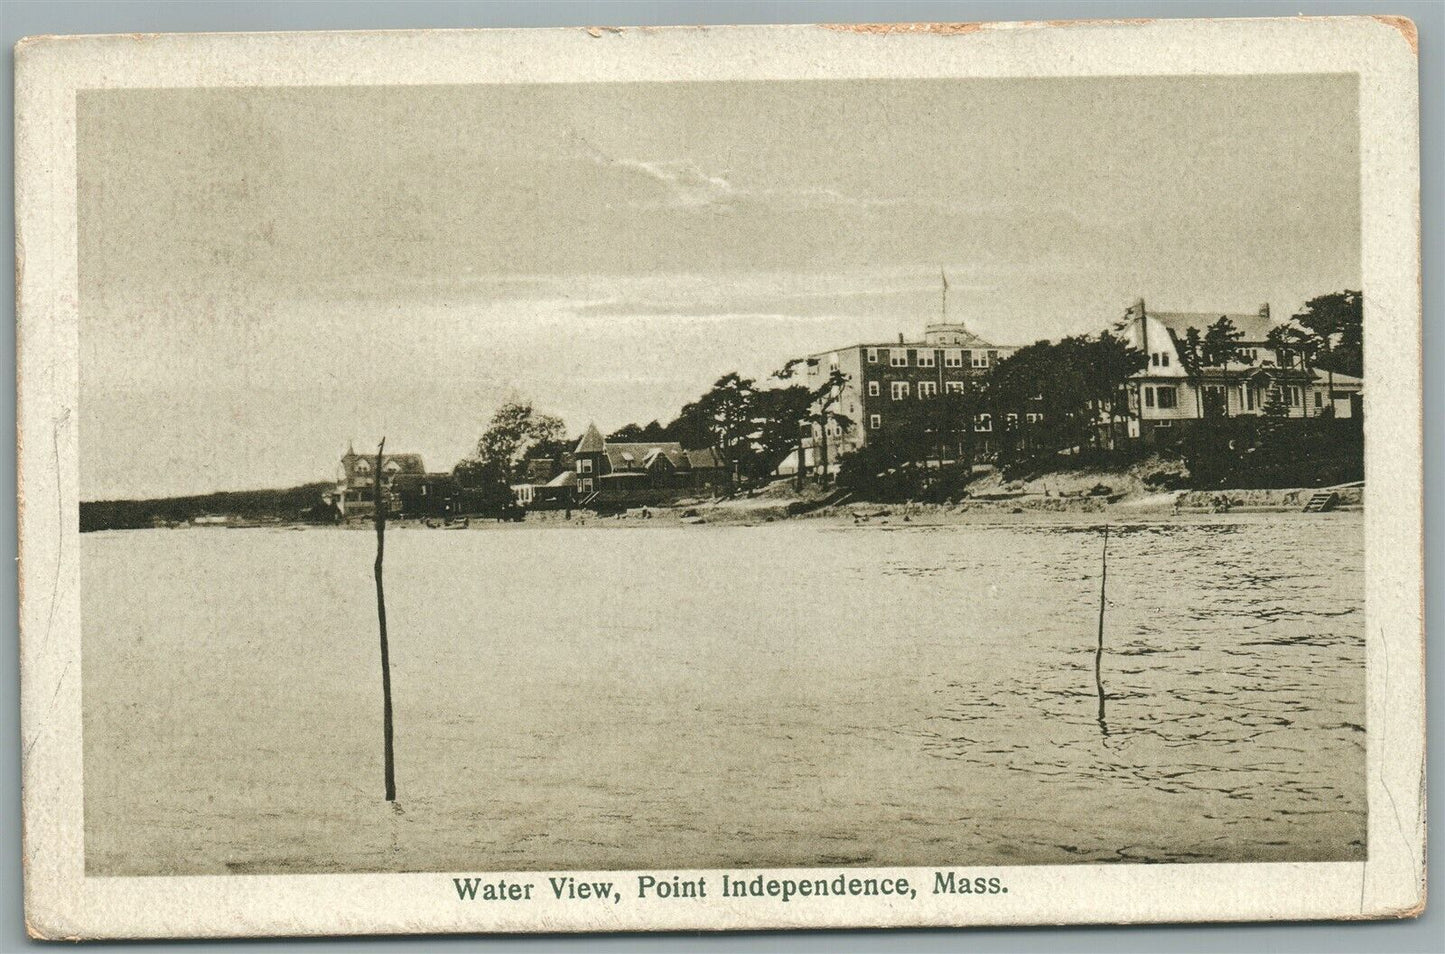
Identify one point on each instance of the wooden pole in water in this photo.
(1099, 652)
(389, 766)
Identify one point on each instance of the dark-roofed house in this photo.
(1166, 396)
(356, 480)
(609, 472)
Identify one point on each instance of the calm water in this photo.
(789, 694)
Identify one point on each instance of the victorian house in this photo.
(405, 485)
(613, 472)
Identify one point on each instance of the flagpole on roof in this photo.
(943, 275)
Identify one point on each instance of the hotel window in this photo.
(875, 421)
(926, 359)
(953, 359)
(927, 389)
(983, 423)
(978, 359)
(1164, 358)
(1168, 397)
(899, 389)
(1011, 420)
(897, 358)
(1319, 399)
(1148, 397)
(586, 484)
(872, 388)
(1249, 399)
(872, 355)
(1294, 396)
(1033, 417)
(1154, 359)
(954, 387)
(584, 465)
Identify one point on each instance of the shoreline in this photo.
(1021, 511)
(1062, 497)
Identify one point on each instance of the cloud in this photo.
(687, 185)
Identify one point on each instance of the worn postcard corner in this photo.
(757, 477)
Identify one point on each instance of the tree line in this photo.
(1049, 396)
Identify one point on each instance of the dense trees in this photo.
(636, 434)
(1328, 333)
(1330, 329)
(781, 413)
(754, 426)
(1268, 451)
(1069, 394)
(515, 430)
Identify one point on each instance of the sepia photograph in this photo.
(738, 491)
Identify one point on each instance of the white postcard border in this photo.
(62, 902)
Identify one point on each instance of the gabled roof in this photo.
(705, 458)
(591, 442)
(1255, 327)
(403, 463)
(565, 479)
(639, 456)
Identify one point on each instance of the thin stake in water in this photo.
(1099, 652)
(380, 505)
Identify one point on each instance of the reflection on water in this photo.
(792, 694)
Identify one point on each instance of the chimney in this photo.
(1264, 311)
(900, 337)
(1136, 310)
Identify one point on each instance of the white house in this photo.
(1167, 395)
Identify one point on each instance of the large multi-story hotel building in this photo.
(882, 381)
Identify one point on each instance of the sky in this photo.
(268, 275)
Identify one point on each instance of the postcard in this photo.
(720, 478)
